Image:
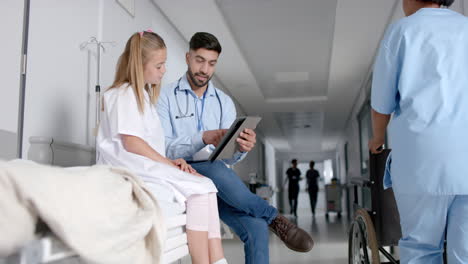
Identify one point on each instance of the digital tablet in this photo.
(228, 144)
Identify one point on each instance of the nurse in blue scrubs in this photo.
(420, 82)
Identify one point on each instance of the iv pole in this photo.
(99, 46)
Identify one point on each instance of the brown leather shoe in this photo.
(293, 237)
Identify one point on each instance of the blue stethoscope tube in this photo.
(185, 115)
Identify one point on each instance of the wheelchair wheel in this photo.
(362, 244)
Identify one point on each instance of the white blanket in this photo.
(104, 214)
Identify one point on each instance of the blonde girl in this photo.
(130, 135)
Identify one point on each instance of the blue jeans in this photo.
(246, 213)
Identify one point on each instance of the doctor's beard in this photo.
(197, 82)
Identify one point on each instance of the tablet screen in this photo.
(231, 132)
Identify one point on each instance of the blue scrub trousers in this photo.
(424, 220)
(246, 213)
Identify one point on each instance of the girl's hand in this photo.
(183, 166)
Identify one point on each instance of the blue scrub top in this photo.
(184, 129)
(421, 76)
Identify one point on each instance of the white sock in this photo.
(221, 261)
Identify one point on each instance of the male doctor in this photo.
(195, 116)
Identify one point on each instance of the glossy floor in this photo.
(331, 246)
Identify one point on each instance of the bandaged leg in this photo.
(214, 229)
(203, 221)
(202, 214)
(197, 228)
(214, 232)
(198, 212)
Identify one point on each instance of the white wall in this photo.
(253, 163)
(351, 136)
(7, 145)
(60, 100)
(61, 78)
(57, 73)
(271, 171)
(11, 28)
(354, 158)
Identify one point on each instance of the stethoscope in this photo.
(186, 114)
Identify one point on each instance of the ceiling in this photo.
(300, 64)
(285, 60)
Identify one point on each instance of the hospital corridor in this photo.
(233, 131)
(329, 235)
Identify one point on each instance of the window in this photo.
(328, 170)
(346, 157)
(365, 133)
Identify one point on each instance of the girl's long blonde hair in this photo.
(130, 66)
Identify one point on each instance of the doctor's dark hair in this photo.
(446, 3)
(206, 41)
(131, 63)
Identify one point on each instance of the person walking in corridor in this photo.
(312, 177)
(293, 177)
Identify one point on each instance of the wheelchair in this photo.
(375, 229)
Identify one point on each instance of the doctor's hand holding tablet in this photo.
(246, 139)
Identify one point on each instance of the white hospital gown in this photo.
(121, 116)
